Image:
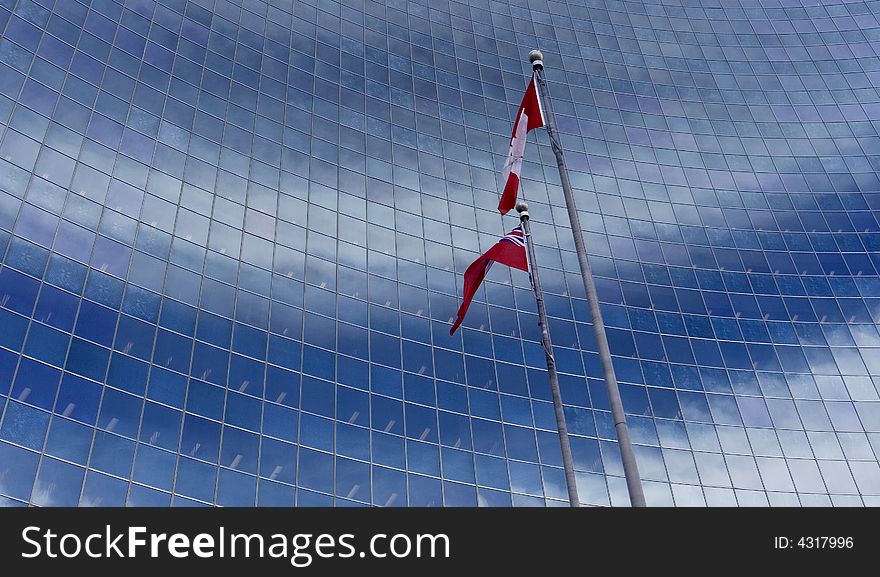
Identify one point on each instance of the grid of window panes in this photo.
(233, 231)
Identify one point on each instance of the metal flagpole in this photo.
(567, 463)
(630, 467)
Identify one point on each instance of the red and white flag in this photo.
(510, 250)
(530, 116)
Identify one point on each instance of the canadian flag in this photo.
(530, 116)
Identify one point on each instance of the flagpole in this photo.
(628, 457)
(567, 462)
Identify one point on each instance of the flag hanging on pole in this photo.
(530, 116)
(510, 250)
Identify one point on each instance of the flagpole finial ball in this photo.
(522, 206)
(536, 57)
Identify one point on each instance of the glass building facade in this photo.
(232, 236)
